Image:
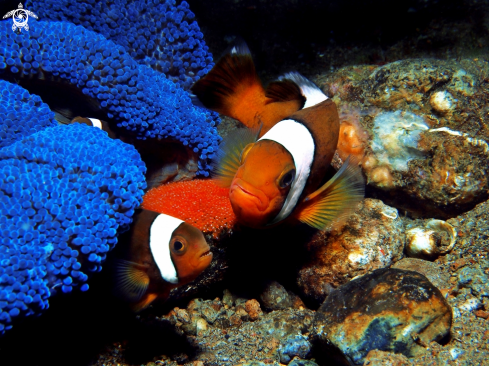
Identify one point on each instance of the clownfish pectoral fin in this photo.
(144, 302)
(335, 200)
(131, 280)
(228, 160)
(311, 93)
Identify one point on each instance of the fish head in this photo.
(262, 183)
(190, 252)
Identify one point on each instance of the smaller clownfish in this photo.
(94, 122)
(161, 253)
(274, 168)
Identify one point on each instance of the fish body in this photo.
(275, 168)
(161, 253)
(95, 122)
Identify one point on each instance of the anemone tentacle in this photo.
(21, 113)
(134, 97)
(159, 34)
(65, 193)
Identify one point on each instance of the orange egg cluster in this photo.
(199, 202)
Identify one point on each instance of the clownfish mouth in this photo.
(205, 254)
(241, 190)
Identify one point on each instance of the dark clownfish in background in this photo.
(160, 253)
(103, 125)
(275, 167)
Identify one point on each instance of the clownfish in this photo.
(274, 168)
(95, 122)
(161, 253)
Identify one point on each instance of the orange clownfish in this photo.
(274, 169)
(162, 253)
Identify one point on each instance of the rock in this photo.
(228, 298)
(294, 345)
(253, 309)
(418, 115)
(371, 238)
(430, 239)
(210, 311)
(276, 297)
(429, 269)
(381, 358)
(390, 310)
(298, 362)
(201, 325)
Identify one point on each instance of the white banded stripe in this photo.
(96, 122)
(160, 235)
(296, 138)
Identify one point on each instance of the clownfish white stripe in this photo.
(296, 138)
(96, 122)
(160, 235)
(309, 90)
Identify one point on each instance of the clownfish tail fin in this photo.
(144, 302)
(231, 79)
(228, 159)
(311, 92)
(335, 200)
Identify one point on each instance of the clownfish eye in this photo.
(178, 246)
(287, 179)
(245, 152)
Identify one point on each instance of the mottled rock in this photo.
(276, 297)
(426, 150)
(294, 345)
(390, 310)
(210, 310)
(228, 298)
(253, 309)
(298, 362)
(429, 269)
(371, 238)
(381, 358)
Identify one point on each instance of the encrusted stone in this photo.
(372, 238)
(390, 310)
(275, 297)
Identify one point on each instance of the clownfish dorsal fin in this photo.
(132, 280)
(231, 86)
(228, 160)
(285, 90)
(335, 200)
(310, 92)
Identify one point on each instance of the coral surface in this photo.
(65, 192)
(21, 113)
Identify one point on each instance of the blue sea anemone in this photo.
(135, 97)
(65, 193)
(21, 113)
(156, 33)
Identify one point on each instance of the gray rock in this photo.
(390, 310)
(275, 297)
